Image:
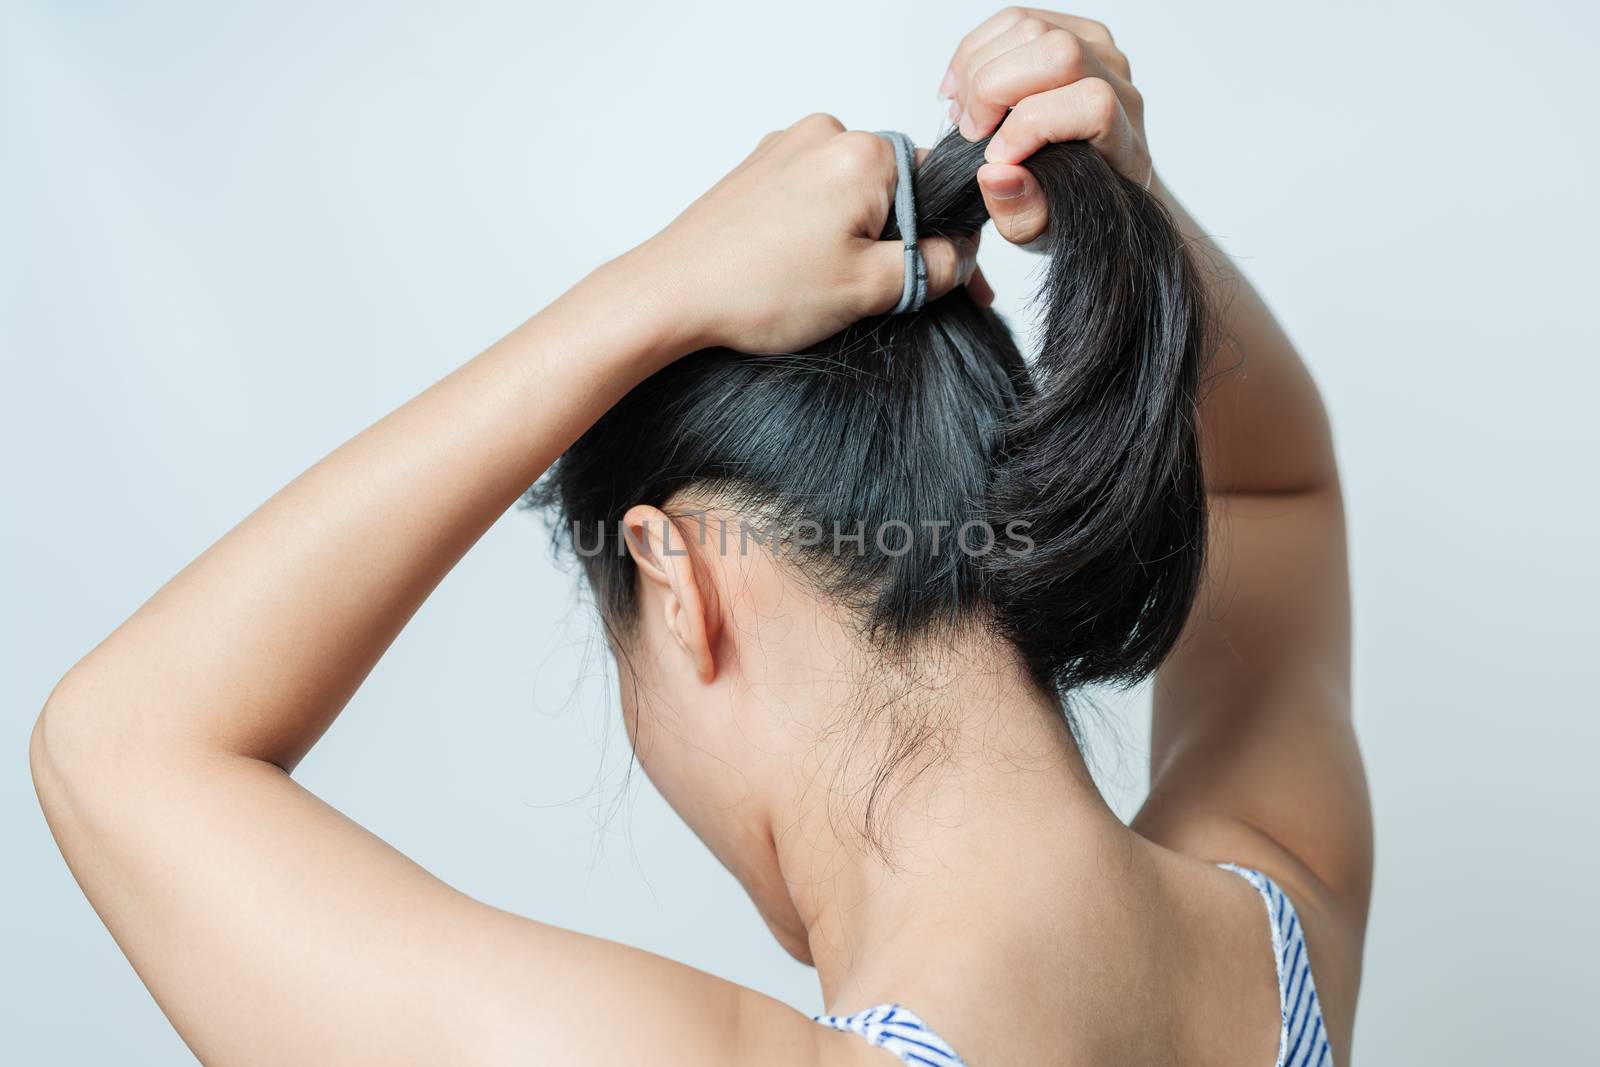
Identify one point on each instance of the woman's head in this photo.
(872, 517)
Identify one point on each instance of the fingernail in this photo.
(947, 85)
(955, 111)
(996, 150)
(1005, 187)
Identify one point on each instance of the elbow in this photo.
(38, 757)
(46, 766)
(104, 741)
(80, 768)
(71, 749)
(51, 746)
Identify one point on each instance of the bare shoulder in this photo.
(1232, 924)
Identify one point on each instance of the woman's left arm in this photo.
(270, 928)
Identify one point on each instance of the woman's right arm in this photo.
(1253, 755)
(1253, 752)
(1252, 744)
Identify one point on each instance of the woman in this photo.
(871, 738)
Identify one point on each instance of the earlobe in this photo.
(689, 604)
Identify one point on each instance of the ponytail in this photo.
(1099, 462)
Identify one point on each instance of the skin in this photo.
(1014, 912)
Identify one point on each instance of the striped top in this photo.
(1302, 1038)
(900, 1031)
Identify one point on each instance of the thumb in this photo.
(1015, 201)
(950, 261)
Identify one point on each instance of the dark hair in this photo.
(934, 420)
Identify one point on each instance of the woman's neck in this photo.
(939, 872)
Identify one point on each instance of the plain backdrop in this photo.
(236, 234)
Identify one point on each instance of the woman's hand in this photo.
(784, 251)
(1032, 78)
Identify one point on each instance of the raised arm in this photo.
(1254, 758)
(270, 928)
(1252, 733)
(1253, 755)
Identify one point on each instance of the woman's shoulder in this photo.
(1261, 923)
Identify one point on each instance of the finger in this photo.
(949, 261)
(1015, 201)
(1087, 110)
(770, 142)
(1096, 34)
(762, 147)
(978, 286)
(1047, 62)
(1021, 32)
(982, 34)
(1088, 29)
(817, 126)
(794, 138)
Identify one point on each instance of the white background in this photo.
(235, 234)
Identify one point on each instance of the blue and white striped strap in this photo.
(1302, 1038)
(891, 1027)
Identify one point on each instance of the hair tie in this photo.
(915, 288)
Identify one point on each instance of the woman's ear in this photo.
(663, 553)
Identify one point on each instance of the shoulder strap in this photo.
(891, 1027)
(1302, 1039)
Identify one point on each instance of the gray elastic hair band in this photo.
(915, 289)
